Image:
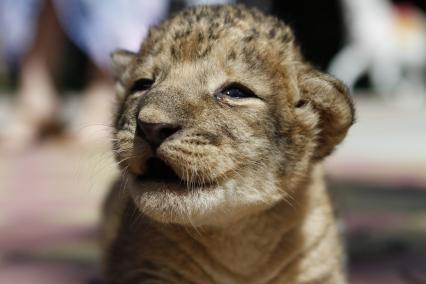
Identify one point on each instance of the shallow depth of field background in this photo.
(56, 163)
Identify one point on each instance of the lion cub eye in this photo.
(237, 91)
(141, 85)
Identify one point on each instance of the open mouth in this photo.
(159, 171)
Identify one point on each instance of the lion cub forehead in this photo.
(234, 29)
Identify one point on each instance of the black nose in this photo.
(156, 133)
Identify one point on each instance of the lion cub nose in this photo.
(156, 133)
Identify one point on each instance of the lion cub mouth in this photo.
(159, 171)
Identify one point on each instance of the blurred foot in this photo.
(37, 112)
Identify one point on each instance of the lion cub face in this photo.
(219, 117)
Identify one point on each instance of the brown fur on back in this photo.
(251, 206)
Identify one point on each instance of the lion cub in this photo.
(220, 130)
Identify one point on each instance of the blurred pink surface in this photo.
(50, 196)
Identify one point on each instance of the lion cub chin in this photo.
(220, 129)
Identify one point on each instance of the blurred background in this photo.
(56, 94)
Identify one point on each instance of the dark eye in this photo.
(238, 91)
(141, 85)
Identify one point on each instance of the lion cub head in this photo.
(220, 117)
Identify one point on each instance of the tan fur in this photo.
(252, 206)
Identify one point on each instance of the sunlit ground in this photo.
(50, 195)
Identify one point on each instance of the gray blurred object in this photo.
(3, 70)
(264, 5)
(177, 5)
(386, 42)
(208, 2)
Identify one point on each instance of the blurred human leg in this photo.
(37, 110)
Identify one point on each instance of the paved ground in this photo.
(50, 195)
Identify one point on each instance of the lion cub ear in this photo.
(330, 99)
(120, 61)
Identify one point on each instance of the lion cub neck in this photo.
(270, 247)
